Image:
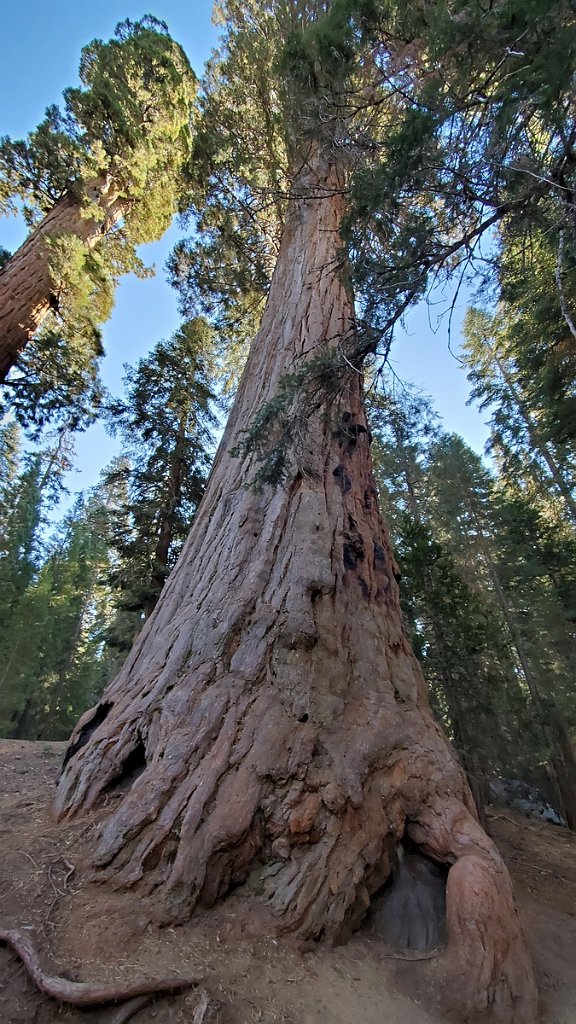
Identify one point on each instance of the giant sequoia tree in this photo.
(96, 179)
(271, 720)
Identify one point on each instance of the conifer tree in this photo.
(96, 178)
(32, 483)
(518, 549)
(21, 519)
(58, 633)
(482, 141)
(456, 630)
(165, 422)
(527, 453)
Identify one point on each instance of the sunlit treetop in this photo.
(453, 122)
(128, 121)
(126, 131)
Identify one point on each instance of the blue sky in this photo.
(41, 45)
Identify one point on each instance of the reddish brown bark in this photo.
(563, 761)
(26, 287)
(272, 701)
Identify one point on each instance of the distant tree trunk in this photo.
(552, 729)
(26, 286)
(454, 690)
(278, 718)
(564, 764)
(464, 734)
(538, 444)
(23, 722)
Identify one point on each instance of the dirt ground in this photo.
(86, 932)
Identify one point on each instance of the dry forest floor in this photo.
(87, 932)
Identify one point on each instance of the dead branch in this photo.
(518, 824)
(560, 285)
(201, 1009)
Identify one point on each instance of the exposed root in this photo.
(86, 993)
(129, 1009)
(490, 976)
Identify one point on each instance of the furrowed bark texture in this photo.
(26, 287)
(271, 725)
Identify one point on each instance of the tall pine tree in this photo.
(165, 423)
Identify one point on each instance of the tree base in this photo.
(292, 823)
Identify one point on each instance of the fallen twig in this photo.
(518, 824)
(201, 1009)
(86, 993)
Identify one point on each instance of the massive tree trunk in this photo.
(271, 722)
(26, 287)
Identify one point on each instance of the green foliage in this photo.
(481, 136)
(237, 184)
(282, 72)
(456, 627)
(126, 130)
(56, 378)
(129, 121)
(522, 545)
(534, 327)
(38, 609)
(451, 120)
(465, 654)
(284, 427)
(166, 423)
(20, 526)
(538, 577)
(488, 591)
(533, 451)
(56, 382)
(54, 663)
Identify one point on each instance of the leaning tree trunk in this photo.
(27, 292)
(271, 719)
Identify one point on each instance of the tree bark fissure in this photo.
(288, 740)
(26, 286)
